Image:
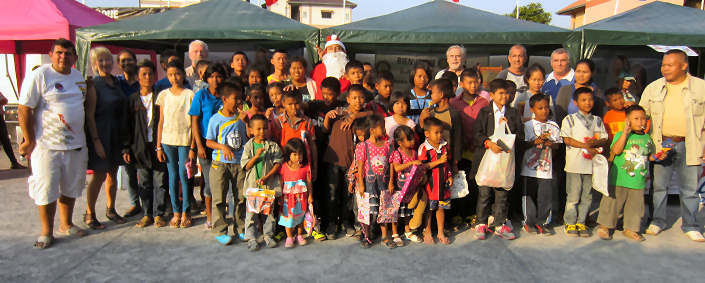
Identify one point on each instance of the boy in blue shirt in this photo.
(227, 135)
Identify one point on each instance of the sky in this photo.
(372, 8)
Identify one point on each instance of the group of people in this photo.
(341, 152)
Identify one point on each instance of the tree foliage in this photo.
(532, 12)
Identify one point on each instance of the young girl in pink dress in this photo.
(402, 160)
(296, 190)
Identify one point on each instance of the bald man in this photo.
(676, 105)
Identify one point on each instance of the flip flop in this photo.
(224, 240)
(43, 242)
(73, 231)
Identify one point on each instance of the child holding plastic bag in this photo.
(261, 161)
(584, 135)
(498, 116)
(297, 191)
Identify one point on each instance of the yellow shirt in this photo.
(674, 120)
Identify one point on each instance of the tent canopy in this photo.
(439, 23)
(30, 27)
(45, 19)
(213, 21)
(654, 23)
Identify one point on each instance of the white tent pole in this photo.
(616, 7)
(517, 9)
(344, 11)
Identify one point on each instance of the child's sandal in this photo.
(388, 243)
(397, 240)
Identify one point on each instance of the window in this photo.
(327, 14)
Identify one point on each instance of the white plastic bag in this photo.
(600, 172)
(123, 181)
(460, 185)
(496, 170)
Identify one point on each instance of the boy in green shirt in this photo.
(630, 153)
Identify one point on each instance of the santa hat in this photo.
(333, 40)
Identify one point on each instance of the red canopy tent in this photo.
(30, 27)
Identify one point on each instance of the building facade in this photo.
(317, 13)
(583, 12)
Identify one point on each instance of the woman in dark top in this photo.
(105, 156)
(584, 71)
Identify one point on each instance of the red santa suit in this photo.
(319, 72)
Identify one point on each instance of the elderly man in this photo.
(676, 105)
(515, 72)
(197, 51)
(333, 59)
(455, 57)
(52, 115)
(562, 74)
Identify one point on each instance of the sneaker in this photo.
(634, 235)
(505, 232)
(411, 236)
(544, 230)
(318, 236)
(531, 229)
(653, 229)
(252, 245)
(571, 230)
(481, 232)
(270, 243)
(224, 239)
(300, 240)
(695, 236)
(289, 243)
(242, 237)
(583, 231)
(604, 233)
(144, 222)
(159, 222)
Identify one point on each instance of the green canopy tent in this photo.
(656, 23)
(433, 26)
(217, 21)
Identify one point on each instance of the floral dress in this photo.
(295, 197)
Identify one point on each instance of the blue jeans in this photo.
(132, 185)
(176, 157)
(205, 170)
(688, 181)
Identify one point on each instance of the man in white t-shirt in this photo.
(515, 72)
(52, 117)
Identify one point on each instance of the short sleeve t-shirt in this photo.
(631, 167)
(258, 165)
(204, 105)
(580, 128)
(378, 157)
(401, 158)
(229, 131)
(176, 129)
(444, 116)
(614, 122)
(58, 103)
(538, 161)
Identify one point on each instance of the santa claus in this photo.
(333, 61)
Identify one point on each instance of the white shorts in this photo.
(57, 172)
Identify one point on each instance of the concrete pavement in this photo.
(124, 253)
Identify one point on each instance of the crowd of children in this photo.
(371, 162)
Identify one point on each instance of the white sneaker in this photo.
(653, 230)
(695, 236)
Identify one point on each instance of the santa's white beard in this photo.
(335, 64)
